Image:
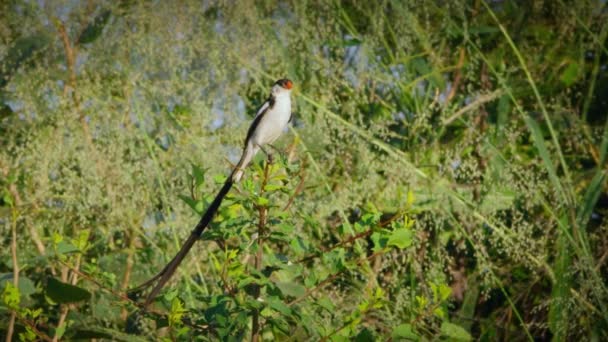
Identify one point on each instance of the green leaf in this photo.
(278, 305)
(570, 74)
(198, 175)
(591, 197)
(405, 331)
(273, 187)
(539, 141)
(291, 289)
(289, 272)
(64, 247)
(444, 292)
(219, 179)
(454, 332)
(326, 304)
(11, 296)
(261, 201)
(195, 205)
(26, 285)
(401, 238)
(61, 292)
(364, 335)
(380, 240)
(60, 330)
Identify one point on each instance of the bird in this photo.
(270, 121)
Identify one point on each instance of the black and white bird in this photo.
(270, 121)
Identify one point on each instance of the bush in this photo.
(444, 177)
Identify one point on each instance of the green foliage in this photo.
(444, 179)
(65, 293)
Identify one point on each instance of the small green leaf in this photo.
(291, 288)
(590, 198)
(273, 187)
(198, 174)
(219, 179)
(278, 305)
(405, 331)
(64, 247)
(439, 312)
(370, 218)
(326, 304)
(380, 240)
(11, 296)
(410, 198)
(401, 238)
(364, 335)
(261, 201)
(444, 292)
(60, 330)
(195, 205)
(570, 74)
(26, 286)
(177, 312)
(61, 292)
(7, 198)
(454, 332)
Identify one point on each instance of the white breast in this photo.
(274, 121)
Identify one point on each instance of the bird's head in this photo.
(282, 86)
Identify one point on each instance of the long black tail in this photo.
(164, 275)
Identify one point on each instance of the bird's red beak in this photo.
(288, 84)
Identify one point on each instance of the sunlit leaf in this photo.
(454, 332)
(291, 288)
(401, 238)
(405, 331)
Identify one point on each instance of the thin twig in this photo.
(457, 78)
(70, 58)
(350, 239)
(32, 326)
(480, 100)
(299, 189)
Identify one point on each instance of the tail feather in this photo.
(248, 154)
(166, 273)
(163, 276)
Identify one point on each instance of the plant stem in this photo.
(262, 213)
(11, 325)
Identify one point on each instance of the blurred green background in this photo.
(444, 177)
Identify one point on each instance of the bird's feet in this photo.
(269, 156)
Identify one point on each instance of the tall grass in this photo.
(444, 176)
